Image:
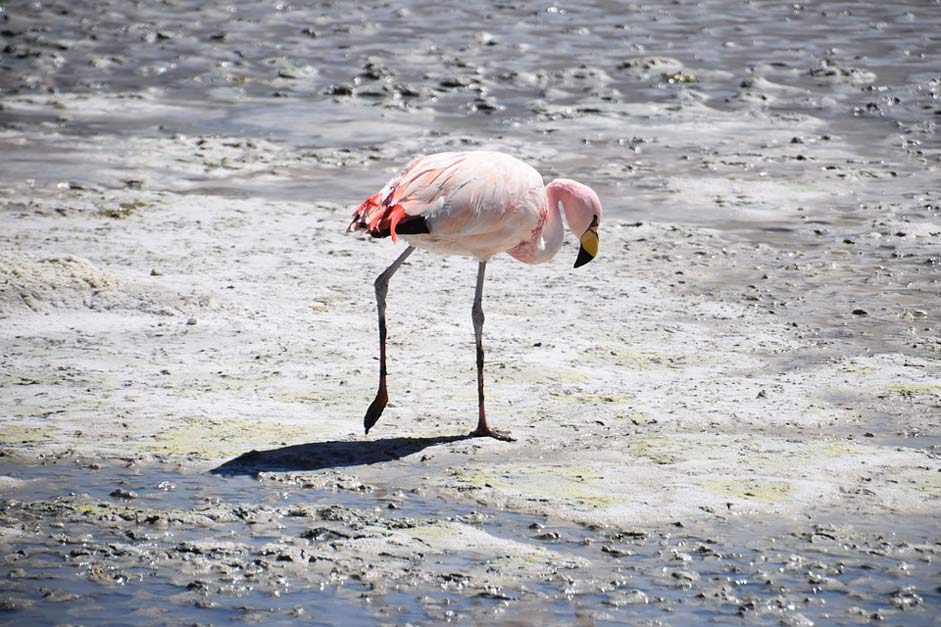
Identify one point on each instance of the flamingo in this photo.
(475, 204)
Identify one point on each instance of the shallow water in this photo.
(804, 134)
(85, 555)
(546, 80)
(348, 92)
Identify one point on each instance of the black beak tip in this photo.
(583, 258)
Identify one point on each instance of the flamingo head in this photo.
(582, 209)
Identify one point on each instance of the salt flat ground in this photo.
(733, 412)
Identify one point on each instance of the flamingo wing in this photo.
(456, 196)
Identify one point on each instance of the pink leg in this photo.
(477, 313)
(382, 288)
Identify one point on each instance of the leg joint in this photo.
(381, 284)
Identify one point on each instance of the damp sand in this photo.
(732, 413)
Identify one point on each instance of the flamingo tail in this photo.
(384, 219)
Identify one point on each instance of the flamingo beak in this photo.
(589, 246)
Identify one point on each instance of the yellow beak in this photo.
(589, 246)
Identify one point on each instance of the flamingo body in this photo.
(475, 204)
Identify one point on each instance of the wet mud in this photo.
(279, 547)
(732, 415)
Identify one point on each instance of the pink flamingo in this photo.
(476, 204)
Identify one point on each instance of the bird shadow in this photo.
(330, 454)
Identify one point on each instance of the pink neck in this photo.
(550, 240)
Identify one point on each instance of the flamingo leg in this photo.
(382, 288)
(477, 314)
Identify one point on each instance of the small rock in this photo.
(613, 552)
(121, 493)
(679, 78)
(453, 82)
(294, 72)
(60, 596)
(685, 575)
(635, 597)
(340, 89)
(906, 597)
(13, 605)
(374, 69)
(321, 534)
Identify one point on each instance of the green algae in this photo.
(753, 489)
(637, 418)
(915, 389)
(561, 403)
(594, 400)
(629, 359)
(97, 508)
(928, 484)
(287, 396)
(123, 210)
(574, 484)
(665, 450)
(215, 438)
(532, 374)
(17, 434)
(483, 480)
(828, 449)
(662, 450)
(430, 534)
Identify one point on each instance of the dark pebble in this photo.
(341, 89)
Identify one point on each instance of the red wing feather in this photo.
(382, 220)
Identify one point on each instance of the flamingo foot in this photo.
(487, 432)
(375, 409)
